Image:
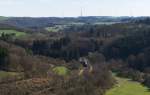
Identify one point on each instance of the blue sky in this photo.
(69, 8)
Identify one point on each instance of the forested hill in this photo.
(31, 22)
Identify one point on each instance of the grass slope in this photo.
(17, 33)
(128, 87)
(4, 74)
(61, 70)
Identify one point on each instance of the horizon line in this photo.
(71, 16)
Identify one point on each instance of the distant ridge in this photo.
(40, 22)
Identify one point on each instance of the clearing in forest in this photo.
(128, 87)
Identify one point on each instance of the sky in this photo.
(74, 8)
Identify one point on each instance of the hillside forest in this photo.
(72, 56)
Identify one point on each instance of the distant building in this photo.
(83, 61)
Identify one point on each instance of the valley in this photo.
(75, 56)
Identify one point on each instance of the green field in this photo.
(4, 74)
(61, 70)
(128, 87)
(52, 29)
(56, 28)
(3, 18)
(16, 33)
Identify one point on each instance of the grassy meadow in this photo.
(52, 29)
(128, 87)
(61, 70)
(16, 33)
(56, 28)
(4, 74)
